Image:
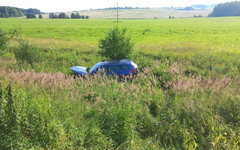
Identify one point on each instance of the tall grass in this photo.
(136, 114)
(186, 96)
(27, 52)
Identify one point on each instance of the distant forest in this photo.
(65, 16)
(226, 9)
(6, 12)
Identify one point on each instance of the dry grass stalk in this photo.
(199, 83)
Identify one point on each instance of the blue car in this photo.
(121, 67)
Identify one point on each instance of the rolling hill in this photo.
(140, 13)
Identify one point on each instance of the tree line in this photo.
(65, 16)
(190, 8)
(31, 15)
(6, 12)
(226, 9)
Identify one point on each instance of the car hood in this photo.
(79, 70)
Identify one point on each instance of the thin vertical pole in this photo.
(117, 12)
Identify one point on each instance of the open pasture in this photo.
(214, 31)
(187, 94)
(206, 42)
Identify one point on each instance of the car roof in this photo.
(120, 61)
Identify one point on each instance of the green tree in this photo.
(32, 10)
(6, 12)
(40, 16)
(52, 16)
(226, 9)
(31, 15)
(116, 45)
(77, 15)
(62, 15)
(73, 15)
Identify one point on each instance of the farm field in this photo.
(214, 31)
(142, 13)
(187, 94)
(150, 13)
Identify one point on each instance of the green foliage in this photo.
(226, 9)
(116, 45)
(3, 40)
(6, 12)
(186, 95)
(22, 123)
(62, 15)
(53, 16)
(32, 11)
(75, 16)
(40, 16)
(78, 16)
(30, 15)
(27, 52)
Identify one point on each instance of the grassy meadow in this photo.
(214, 31)
(187, 94)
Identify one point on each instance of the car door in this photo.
(104, 70)
(124, 70)
(113, 70)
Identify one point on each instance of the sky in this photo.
(71, 5)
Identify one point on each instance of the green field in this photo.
(187, 94)
(216, 31)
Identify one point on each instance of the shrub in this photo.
(52, 16)
(27, 52)
(116, 45)
(31, 15)
(62, 15)
(73, 15)
(77, 15)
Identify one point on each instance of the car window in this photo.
(113, 68)
(94, 68)
(124, 67)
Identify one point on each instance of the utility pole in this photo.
(117, 12)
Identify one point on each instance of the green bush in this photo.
(27, 52)
(30, 15)
(116, 45)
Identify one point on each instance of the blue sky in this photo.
(70, 5)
